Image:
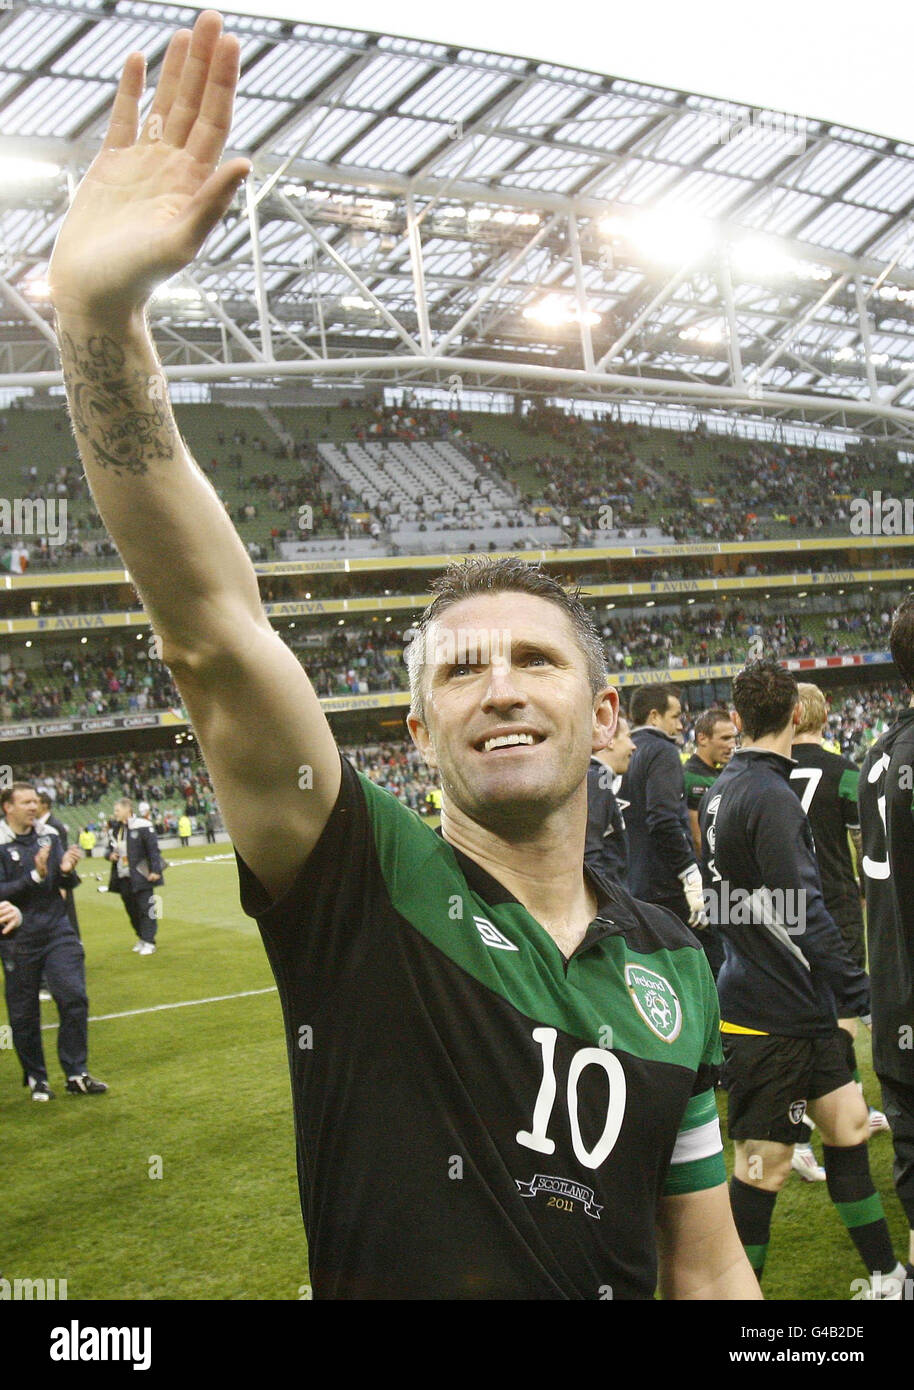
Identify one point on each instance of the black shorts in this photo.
(770, 1080)
(898, 1104)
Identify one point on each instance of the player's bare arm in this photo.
(699, 1250)
(141, 214)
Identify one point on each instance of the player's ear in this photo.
(605, 718)
(418, 732)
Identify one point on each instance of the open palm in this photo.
(151, 197)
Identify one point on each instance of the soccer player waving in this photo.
(501, 1064)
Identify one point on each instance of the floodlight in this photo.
(555, 311)
(710, 333)
(758, 259)
(18, 171)
(763, 260)
(37, 287)
(167, 293)
(669, 236)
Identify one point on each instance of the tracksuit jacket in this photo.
(606, 843)
(143, 857)
(43, 909)
(786, 971)
(656, 819)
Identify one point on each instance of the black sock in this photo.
(752, 1211)
(859, 1205)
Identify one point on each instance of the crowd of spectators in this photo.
(100, 599)
(857, 715)
(356, 664)
(808, 490)
(313, 505)
(155, 777)
(399, 768)
(607, 478)
(181, 779)
(126, 679)
(82, 685)
(703, 636)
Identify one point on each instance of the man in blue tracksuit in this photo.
(136, 869)
(662, 863)
(785, 980)
(34, 869)
(46, 816)
(606, 842)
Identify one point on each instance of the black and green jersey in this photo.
(826, 784)
(477, 1117)
(698, 778)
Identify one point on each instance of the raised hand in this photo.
(150, 198)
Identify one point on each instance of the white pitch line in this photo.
(182, 1004)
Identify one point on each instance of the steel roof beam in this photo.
(515, 372)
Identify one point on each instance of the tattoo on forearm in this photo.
(120, 413)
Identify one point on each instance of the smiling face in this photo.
(509, 720)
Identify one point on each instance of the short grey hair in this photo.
(483, 574)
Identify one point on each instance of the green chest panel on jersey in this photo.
(697, 778)
(654, 1005)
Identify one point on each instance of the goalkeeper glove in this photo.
(690, 879)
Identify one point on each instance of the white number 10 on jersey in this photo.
(537, 1138)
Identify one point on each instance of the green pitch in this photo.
(200, 1096)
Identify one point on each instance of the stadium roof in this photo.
(421, 213)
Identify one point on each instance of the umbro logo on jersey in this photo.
(492, 936)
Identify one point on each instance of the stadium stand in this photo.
(388, 480)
